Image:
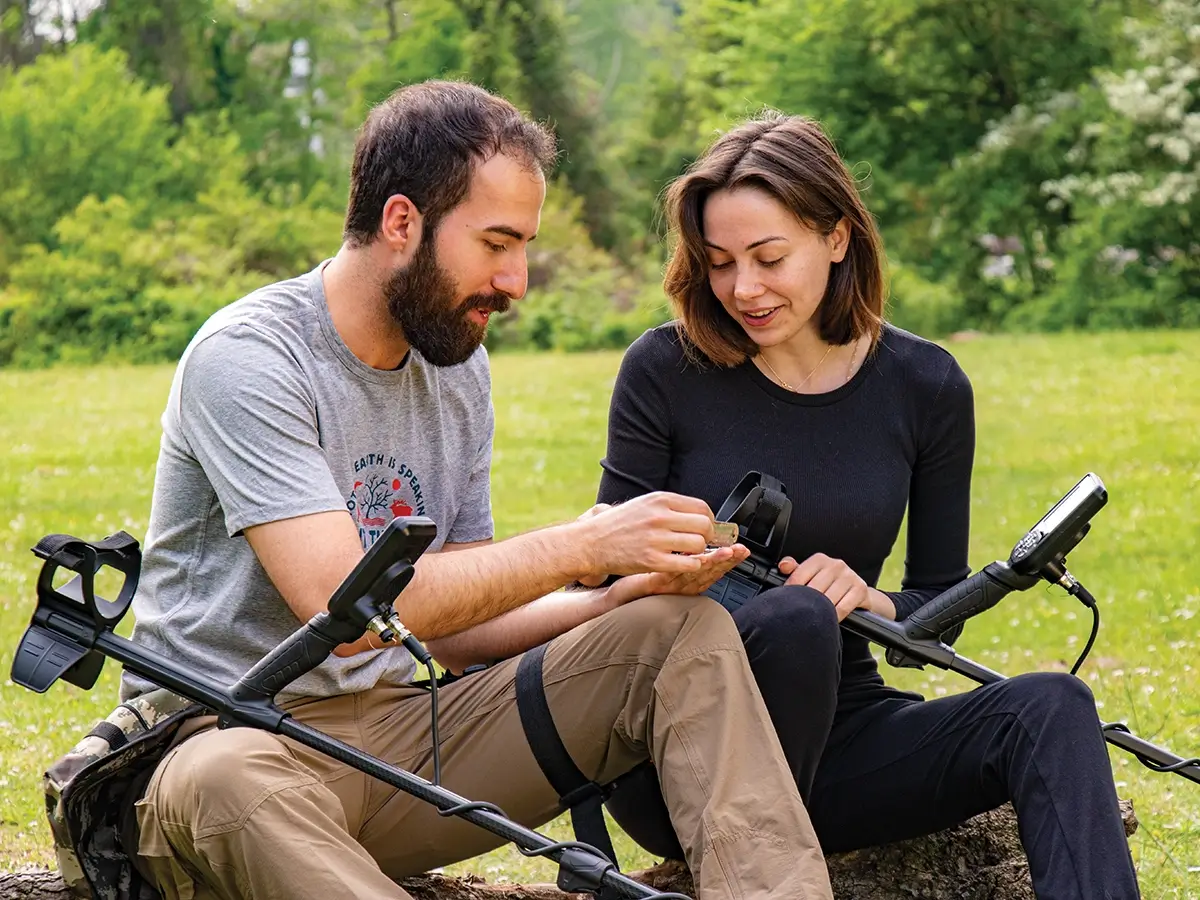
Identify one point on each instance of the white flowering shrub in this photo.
(1100, 189)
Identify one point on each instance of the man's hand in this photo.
(837, 581)
(308, 556)
(659, 532)
(713, 566)
(594, 581)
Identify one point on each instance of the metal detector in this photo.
(71, 634)
(760, 507)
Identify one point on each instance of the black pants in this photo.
(901, 767)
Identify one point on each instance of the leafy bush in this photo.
(74, 125)
(1098, 192)
(927, 308)
(115, 290)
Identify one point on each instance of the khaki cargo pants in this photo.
(242, 813)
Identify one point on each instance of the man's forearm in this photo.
(452, 592)
(520, 629)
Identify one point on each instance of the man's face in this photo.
(472, 266)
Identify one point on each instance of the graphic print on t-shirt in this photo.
(384, 488)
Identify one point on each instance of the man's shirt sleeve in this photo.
(249, 417)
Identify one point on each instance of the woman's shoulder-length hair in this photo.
(792, 159)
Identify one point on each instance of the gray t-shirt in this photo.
(271, 416)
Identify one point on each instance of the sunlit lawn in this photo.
(77, 450)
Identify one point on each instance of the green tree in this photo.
(906, 86)
(74, 125)
(278, 71)
(168, 42)
(426, 40)
(115, 288)
(518, 48)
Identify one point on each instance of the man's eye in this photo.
(495, 248)
(771, 263)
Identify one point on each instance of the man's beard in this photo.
(421, 298)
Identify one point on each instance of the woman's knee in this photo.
(790, 619)
(1052, 699)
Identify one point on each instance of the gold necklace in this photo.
(850, 366)
(787, 386)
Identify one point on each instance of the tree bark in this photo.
(978, 860)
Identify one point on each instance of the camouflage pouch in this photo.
(88, 794)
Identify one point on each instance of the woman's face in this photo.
(767, 268)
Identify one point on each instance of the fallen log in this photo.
(978, 860)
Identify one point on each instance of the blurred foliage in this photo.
(580, 297)
(1099, 190)
(1032, 163)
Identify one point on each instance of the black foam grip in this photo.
(954, 606)
(303, 650)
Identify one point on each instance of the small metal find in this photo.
(726, 534)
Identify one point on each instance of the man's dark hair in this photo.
(424, 142)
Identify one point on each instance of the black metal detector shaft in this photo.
(72, 632)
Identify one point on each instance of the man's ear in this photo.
(401, 225)
(839, 240)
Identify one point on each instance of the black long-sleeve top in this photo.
(899, 434)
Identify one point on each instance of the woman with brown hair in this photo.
(780, 361)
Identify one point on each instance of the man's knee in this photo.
(665, 620)
(215, 778)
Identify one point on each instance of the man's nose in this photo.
(513, 279)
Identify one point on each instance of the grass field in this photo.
(77, 451)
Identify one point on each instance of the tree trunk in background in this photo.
(18, 42)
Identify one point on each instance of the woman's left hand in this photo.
(714, 566)
(837, 581)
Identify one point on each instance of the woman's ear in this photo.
(839, 240)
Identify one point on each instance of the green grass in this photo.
(77, 450)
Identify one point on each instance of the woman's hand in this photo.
(714, 565)
(837, 581)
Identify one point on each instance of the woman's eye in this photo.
(716, 267)
(771, 263)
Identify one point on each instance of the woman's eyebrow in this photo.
(750, 246)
